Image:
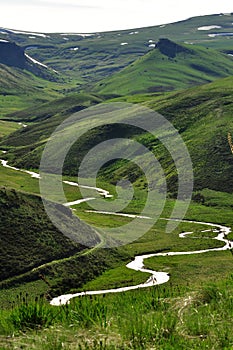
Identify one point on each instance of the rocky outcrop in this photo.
(12, 55)
(171, 49)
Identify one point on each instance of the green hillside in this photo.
(15, 81)
(202, 115)
(65, 105)
(26, 144)
(27, 225)
(20, 89)
(169, 66)
(31, 246)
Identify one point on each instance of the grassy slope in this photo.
(65, 264)
(15, 81)
(68, 104)
(20, 89)
(202, 115)
(7, 128)
(46, 118)
(26, 225)
(159, 72)
(29, 86)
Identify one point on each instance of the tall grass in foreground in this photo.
(32, 315)
(162, 317)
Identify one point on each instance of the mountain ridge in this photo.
(95, 56)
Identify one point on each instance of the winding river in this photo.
(137, 264)
(156, 277)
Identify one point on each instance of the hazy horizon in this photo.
(87, 16)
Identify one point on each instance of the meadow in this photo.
(164, 317)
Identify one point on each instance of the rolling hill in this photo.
(64, 105)
(201, 114)
(203, 117)
(170, 66)
(15, 81)
(45, 117)
(19, 89)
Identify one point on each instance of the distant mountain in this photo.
(169, 66)
(88, 58)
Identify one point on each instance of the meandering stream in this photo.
(137, 264)
(156, 277)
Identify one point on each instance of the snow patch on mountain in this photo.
(28, 33)
(209, 27)
(39, 63)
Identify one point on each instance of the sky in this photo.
(86, 16)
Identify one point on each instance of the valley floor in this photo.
(175, 315)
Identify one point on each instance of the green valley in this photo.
(67, 278)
